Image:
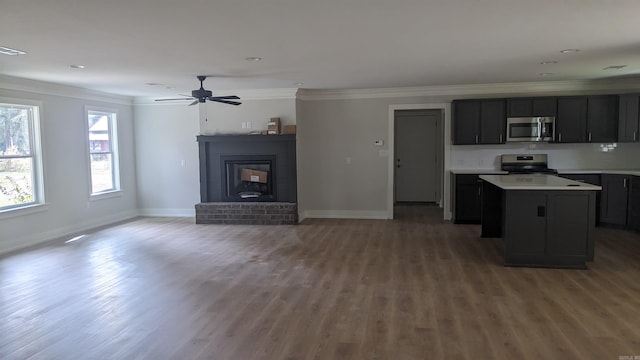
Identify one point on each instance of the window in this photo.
(20, 164)
(103, 151)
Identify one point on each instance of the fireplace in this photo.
(248, 177)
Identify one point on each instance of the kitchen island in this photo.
(544, 220)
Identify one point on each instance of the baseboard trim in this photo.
(169, 212)
(42, 237)
(346, 214)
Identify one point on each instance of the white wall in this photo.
(166, 136)
(66, 170)
(216, 118)
(167, 153)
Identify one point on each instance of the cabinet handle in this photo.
(479, 191)
(589, 137)
(634, 135)
(476, 138)
(625, 182)
(559, 137)
(501, 138)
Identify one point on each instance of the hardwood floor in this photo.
(412, 288)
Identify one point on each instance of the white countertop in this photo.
(536, 182)
(606, 171)
(478, 171)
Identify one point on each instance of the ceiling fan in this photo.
(201, 95)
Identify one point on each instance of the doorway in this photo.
(418, 156)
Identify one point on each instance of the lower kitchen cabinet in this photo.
(614, 201)
(465, 190)
(593, 179)
(633, 216)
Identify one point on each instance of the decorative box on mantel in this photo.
(255, 173)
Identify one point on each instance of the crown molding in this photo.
(496, 89)
(257, 94)
(47, 88)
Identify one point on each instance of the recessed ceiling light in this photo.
(154, 84)
(546, 74)
(75, 66)
(569, 51)
(548, 62)
(614, 67)
(298, 84)
(11, 52)
(253, 58)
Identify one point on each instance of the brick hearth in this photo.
(247, 213)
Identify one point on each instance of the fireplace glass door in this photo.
(249, 179)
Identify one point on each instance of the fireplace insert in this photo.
(248, 178)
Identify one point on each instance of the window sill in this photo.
(105, 195)
(23, 210)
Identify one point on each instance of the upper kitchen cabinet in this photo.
(466, 122)
(571, 121)
(493, 121)
(479, 121)
(528, 107)
(602, 118)
(628, 117)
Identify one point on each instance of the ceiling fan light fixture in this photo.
(77, 66)
(546, 74)
(253, 58)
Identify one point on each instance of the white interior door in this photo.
(416, 155)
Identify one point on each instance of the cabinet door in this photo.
(526, 223)
(492, 121)
(628, 118)
(466, 122)
(614, 199)
(571, 122)
(466, 205)
(568, 238)
(633, 216)
(602, 118)
(519, 107)
(545, 106)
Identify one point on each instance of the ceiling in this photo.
(329, 44)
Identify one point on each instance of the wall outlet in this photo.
(348, 160)
(244, 125)
(248, 124)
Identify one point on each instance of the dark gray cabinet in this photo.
(633, 214)
(537, 106)
(571, 122)
(541, 227)
(628, 117)
(602, 118)
(466, 122)
(593, 179)
(493, 121)
(478, 122)
(587, 119)
(466, 198)
(614, 199)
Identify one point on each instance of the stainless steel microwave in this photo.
(531, 129)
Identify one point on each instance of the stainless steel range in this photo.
(526, 164)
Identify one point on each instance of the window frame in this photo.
(114, 151)
(36, 155)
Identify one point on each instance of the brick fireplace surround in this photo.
(214, 209)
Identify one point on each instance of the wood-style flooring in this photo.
(413, 288)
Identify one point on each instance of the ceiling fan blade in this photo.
(230, 97)
(195, 102)
(176, 99)
(224, 101)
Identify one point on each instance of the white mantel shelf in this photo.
(536, 182)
